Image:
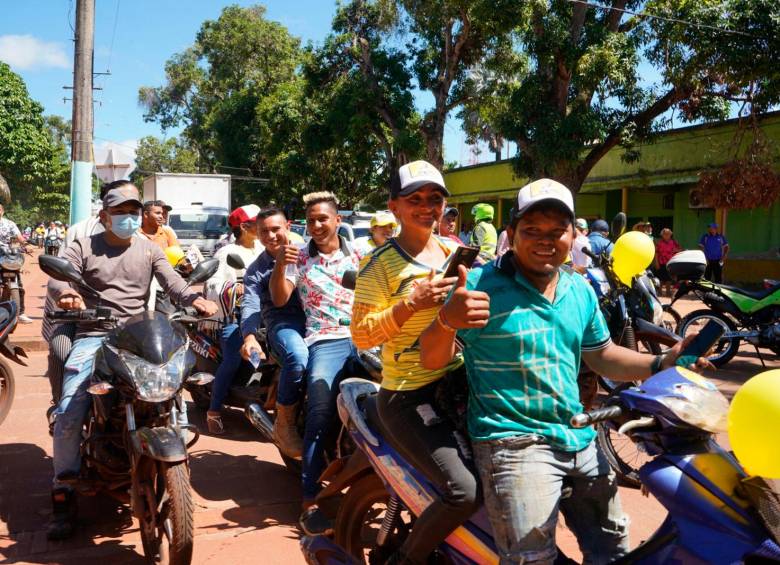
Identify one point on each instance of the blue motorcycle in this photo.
(717, 514)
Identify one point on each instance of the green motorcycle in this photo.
(749, 315)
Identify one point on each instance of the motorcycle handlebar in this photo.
(598, 415)
(590, 253)
(88, 315)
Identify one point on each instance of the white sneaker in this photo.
(25, 319)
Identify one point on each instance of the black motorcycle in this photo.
(11, 263)
(12, 352)
(133, 444)
(52, 245)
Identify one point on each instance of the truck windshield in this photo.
(206, 224)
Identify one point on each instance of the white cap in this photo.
(540, 191)
(413, 176)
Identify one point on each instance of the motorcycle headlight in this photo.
(658, 313)
(699, 407)
(157, 383)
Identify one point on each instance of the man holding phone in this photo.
(285, 325)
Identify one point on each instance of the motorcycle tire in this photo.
(7, 390)
(726, 349)
(623, 455)
(671, 319)
(357, 513)
(178, 510)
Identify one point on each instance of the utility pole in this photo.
(81, 140)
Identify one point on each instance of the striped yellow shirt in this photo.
(386, 277)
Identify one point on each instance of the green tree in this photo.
(32, 160)
(214, 87)
(576, 84)
(440, 41)
(155, 155)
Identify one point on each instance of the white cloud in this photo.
(25, 52)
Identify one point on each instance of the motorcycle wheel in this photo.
(671, 319)
(623, 455)
(167, 538)
(360, 516)
(726, 349)
(6, 390)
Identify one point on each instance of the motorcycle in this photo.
(717, 514)
(13, 352)
(52, 245)
(133, 444)
(11, 263)
(746, 315)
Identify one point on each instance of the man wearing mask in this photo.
(120, 267)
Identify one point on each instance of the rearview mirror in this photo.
(234, 260)
(204, 271)
(618, 225)
(62, 270)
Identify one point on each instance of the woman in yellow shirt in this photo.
(397, 295)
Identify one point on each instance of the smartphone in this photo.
(702, 343)
(464, 255)
(254, 358)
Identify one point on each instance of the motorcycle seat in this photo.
(372, 417)
(755, 294)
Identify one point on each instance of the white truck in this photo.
(200, 206)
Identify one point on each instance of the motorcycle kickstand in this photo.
(761, 357)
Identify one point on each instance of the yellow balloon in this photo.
(632, 254)
(754, 419)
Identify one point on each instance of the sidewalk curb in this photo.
(30, 343)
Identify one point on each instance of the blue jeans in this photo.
(230, 342)
(522, 479)
(286, 341)
(73, 406)
(324, 372)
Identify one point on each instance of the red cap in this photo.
(243, 215)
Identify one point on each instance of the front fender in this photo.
(647, 330)
(161, 443)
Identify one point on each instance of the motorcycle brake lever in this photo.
(643, 422)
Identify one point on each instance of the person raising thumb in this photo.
(465, 308)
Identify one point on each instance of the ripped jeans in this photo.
(522, 478)
(427, 439)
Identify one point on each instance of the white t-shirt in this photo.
(578, 258)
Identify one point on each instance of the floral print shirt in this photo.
(326, 303)
(8, 231)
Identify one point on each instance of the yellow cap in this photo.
(174, 253)
(383, 219)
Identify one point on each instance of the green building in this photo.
(656, 188)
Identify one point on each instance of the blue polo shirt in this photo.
(713, 246)
(522, 367)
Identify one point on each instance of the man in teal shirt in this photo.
(525, 324)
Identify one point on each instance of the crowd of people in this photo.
(515, 328)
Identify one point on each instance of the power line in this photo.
(113, 36)
(663, 18)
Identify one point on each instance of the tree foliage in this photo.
(577, 84)
(33, 160)
(156, 155)
(214, 87)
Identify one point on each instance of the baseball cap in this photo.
(600, 225)
(243, 214)
(383, 219)
(713, 225)
(581, 223)
(413, 176)
(543, 190)
(482, 211)
(165, 206)
(120, 195)
(451, 211)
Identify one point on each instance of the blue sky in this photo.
(36, 40)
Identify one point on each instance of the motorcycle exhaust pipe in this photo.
(260, 420)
